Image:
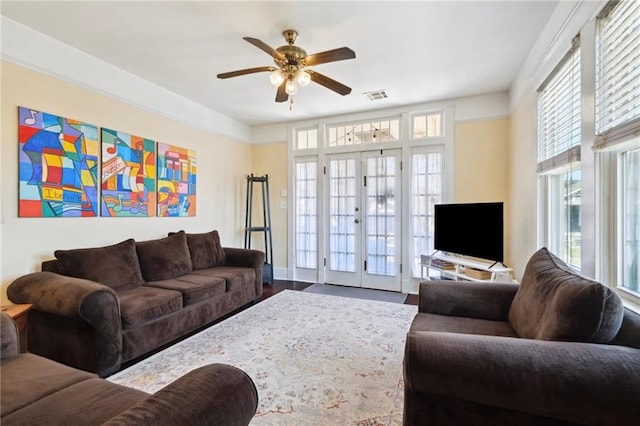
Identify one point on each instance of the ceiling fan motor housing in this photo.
(294, 55)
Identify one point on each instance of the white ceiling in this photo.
(416, 51)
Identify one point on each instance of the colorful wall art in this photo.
(176, 181)
(58, 166)
(128, 175)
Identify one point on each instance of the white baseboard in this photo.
(280, 273)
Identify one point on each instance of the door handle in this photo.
(357, 221)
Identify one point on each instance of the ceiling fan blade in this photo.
(281, 94)
(244, 72)
(265, 47)
(329, 83)
(339, 54)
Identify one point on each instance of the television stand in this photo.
(446, 265)
(497, 262)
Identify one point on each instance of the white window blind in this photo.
(618, 73)
(559, 114)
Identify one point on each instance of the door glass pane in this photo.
(381, 219)
(306, 215)
(631, 221)
(342, 204)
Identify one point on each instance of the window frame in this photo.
(305, 272)
(610, 143)
(427, 114)
(307, 131)
(558, 149)
(363, 145)
(415, 269)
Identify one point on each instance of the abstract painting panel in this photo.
(177, 173)
(128, 175)
(58, 166)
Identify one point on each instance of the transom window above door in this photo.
(307, 139)
(426, 125)
(375, 131)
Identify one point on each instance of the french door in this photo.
(363, 219)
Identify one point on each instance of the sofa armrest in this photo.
(490, 301)
(216, 394)
(246, 258)
(584, 383)
(75, 298)
(10, 346)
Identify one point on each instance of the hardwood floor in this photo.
(280, 285)
(412, 299)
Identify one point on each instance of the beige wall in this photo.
(481, 166)
(482, 173)
(271, 159)
(523, 183)
(25, 242)
(481, 155)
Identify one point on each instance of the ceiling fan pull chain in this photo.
(291, 104)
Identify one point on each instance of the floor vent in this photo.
(377, 95)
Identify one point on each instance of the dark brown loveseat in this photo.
(559, 349)
(97, 308)
(38, 391)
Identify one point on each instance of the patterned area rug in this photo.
(357, 293)
(315, 359)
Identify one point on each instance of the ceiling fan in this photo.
(293, 66)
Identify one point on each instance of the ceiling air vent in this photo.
(377, 95)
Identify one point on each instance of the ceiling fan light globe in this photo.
(291, 88)
(303, 78)
(276, 77)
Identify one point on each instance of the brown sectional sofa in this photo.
(558, 349)
(37, 391)
(97, 308)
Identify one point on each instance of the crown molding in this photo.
(39, 52)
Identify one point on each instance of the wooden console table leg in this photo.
(20, 315)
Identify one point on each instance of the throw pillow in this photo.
(114, 266)
(164, 258)
(205, 250)
(555, 303)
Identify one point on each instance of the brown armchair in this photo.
(557, 350)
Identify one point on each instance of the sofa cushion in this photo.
(555, 303)
(463, 325)
(144, 303)
(194, 288)
(114, 266)
(629, 333)
(235, 276)
(27, 378)
(90, 402)
(164, 258)
(205, 249)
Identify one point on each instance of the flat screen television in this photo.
(475, 229)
